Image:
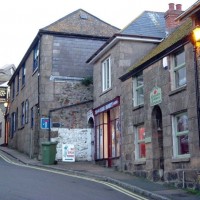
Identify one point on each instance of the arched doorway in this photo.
(91, 126)
(157, 142)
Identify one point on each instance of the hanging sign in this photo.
(155, 96)
(68, 153)
(3, 94)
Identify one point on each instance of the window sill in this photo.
(36, 69)
(140, 162)
(23, 86)
(21, 128)
(138, 107)
(176, 91)
(181, 159)
(106, 91)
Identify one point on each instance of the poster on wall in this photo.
(68, 153)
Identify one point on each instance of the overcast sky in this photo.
(20, 20)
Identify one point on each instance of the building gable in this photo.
(82, 23)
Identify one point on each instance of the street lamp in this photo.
(196, 36)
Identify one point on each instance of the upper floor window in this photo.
(32, 117)
(13, 89)
(26, 111)
(23, 74)
(138, 92)
(180, 134)
(13, 124)
(17, 116)
(140, 147)
(0, 129)
(23, 114)
(179, 69)
(18, 81)
(106, 74)
(36, 57)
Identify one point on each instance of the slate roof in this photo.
(148, 23)
(180, 34)
(82, 23)
(6, 72)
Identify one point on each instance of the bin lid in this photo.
(49, 143)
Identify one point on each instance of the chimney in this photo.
(172, 13)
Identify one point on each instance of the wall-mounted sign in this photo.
(3, 94)
(155, 96)
(68, 153)
(107, 106)
(44, 123)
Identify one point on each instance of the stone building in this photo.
(5, 73)
(51, 89)
(161, 135)
(110, 62)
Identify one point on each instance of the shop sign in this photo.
(68, 153)
(155, 96)
(107, 106)
(3, 94)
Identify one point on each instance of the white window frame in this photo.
(176, 134)
(177, 68)
(137, 142)
(135, 90)
(106, 74)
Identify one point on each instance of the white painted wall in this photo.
(80, 138)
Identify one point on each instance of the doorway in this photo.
(157, 143)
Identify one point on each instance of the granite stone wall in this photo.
(80, 138)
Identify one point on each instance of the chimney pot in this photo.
(171, 6)
(179, 7)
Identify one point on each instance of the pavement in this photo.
(144, 187)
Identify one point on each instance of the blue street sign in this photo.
(44, 123)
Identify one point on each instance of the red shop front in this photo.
(107, 131)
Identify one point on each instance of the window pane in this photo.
(97, 145)
(180, 58)
(140, 96)
(117, 138)
(180, 77)
(183, 145)
(106, 76)
(139, 80)
(101, 141)
(182, 123)
(105, 141)
(101, 118)
(113, 138)
(141, 133)
(142, 150)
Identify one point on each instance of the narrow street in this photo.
(20, 182)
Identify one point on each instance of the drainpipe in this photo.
(60, 108)
(197, 90)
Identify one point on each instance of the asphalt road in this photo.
(19, 182)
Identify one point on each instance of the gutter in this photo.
(60, 108)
